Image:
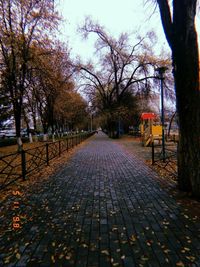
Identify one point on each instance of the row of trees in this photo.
(35, 70)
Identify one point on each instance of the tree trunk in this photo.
(17, 116)
(186, 74)
(30, 138)
(34, 121)
(182, 38)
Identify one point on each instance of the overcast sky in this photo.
(116, 15)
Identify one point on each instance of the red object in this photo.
(146, 116)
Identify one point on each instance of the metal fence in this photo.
(169, 162)
(17, 165)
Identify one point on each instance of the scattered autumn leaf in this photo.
(180, 264)
(191, 258)
(53, 259)
(106, 252)
(133, 238)
(144, 258)
(148, 243)
(18, 256)
(60, 256)
(187, 249)
(68, 257)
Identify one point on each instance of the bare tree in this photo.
(122, 68)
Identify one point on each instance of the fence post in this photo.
(67, 144)
(47, 153)
(152, 146)
(59, 147)
(23, 159)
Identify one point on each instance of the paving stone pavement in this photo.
(103, 208)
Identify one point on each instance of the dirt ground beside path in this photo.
(133, 146)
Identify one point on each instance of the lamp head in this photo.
(161, 71)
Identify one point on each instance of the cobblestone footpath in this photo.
(103, 208)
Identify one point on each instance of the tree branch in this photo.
(166, 19)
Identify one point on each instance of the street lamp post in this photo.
(91, 118)
(161, 72)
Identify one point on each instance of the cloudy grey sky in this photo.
(116, 16)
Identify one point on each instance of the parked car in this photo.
(10, 133)
(3, 133)
(7, 133)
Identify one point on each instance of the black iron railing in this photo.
(169, 162)
(18, 165)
